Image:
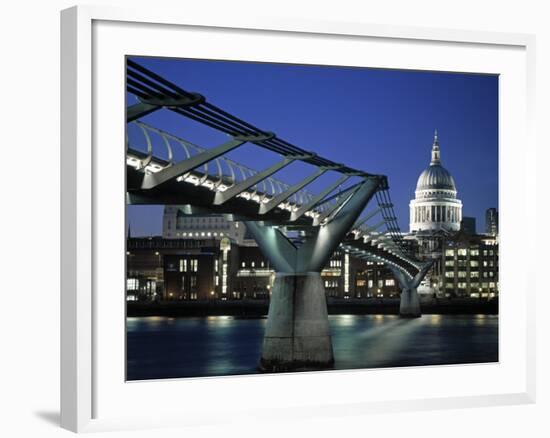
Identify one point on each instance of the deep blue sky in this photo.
(381, 121)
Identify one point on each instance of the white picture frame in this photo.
(90, 401)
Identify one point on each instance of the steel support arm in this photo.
(331, 212)
(316, 251)
(275, 246)
(169, 174)
(222, 197)
(422, 273)
(266, 208)
(317, 199)
(140, 110)
(413, 282)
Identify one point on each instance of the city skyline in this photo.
(381, 121)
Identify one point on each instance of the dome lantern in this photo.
(436, 154)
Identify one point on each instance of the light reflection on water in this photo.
(162, 347)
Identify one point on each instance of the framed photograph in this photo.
(286, 217)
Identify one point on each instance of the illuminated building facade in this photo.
(214, 269)
(176, 225)
(470, 266)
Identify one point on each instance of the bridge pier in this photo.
(409, 304)
(297, 334)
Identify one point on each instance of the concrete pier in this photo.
(409, 306)
(297, 335)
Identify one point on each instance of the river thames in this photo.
(164, 347)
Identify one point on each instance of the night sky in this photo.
(380, 121)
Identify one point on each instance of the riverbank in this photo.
(259, 308)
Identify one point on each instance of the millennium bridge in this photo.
(296, 228)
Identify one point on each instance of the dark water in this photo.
(163, 347)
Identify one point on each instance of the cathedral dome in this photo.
(435, 177)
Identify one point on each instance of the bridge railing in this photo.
(151, 150)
